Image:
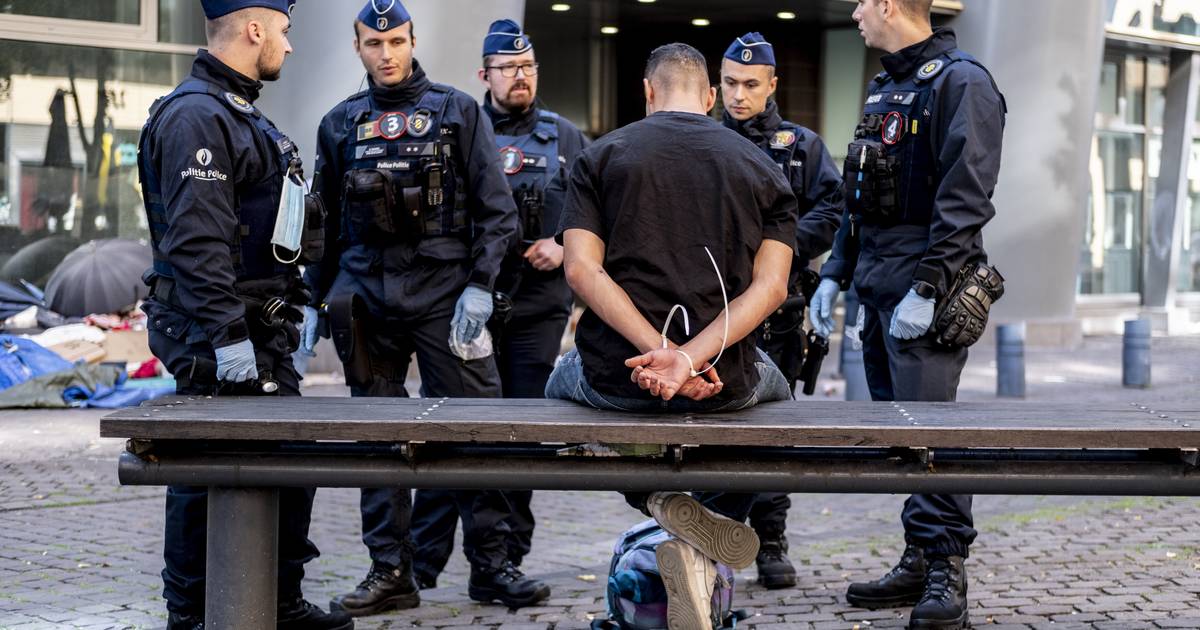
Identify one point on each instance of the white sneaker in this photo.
(688, 577)
(717, 537)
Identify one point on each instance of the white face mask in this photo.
(289, 221)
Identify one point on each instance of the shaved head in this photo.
(677, 68)
(916, 8)
(221, 30)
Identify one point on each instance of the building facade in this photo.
(1098, 207)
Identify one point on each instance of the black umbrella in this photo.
(14, 300)
(37, 260)
(100, 277)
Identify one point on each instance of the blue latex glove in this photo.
(471, 314)
(236, 364)
(912, 317)
(821, 310)
(308, 331)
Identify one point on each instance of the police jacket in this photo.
(428, 171)
(212, 168)
(920, 174)
(810, 170)
(537, 149)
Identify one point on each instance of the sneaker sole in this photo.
(395, 602)
(873, 603)
(683, 611)
(487, 596)
(721, 539)
(962, 623)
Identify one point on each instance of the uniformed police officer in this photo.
(536, 148)
(225, 292)
(748, 83)
(410, 176)
(919, 178)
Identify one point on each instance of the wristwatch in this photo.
(925, 290)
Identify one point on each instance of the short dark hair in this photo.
(917, 8)
(675, 66)
(412, 30)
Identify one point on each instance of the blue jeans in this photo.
(567, 382)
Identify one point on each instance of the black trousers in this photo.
(186, 529)
(387, 512)
(920, 370)
(528, 347)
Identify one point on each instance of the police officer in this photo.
(410, 175)
(919, 178)
(536, 149)
(748, 82)
(225, 294)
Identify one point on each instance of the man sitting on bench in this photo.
(676, 212)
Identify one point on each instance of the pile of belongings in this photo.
(33, 377)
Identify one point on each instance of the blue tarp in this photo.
(22, 360)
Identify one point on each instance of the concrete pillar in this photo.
(1041, 197)
(324, 70)
(1171, 201)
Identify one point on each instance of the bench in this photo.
(241, 448)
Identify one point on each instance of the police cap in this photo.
(751, 49)
(214, 9)
(384, 15)
(505, 38)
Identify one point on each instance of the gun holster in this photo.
(349, 320)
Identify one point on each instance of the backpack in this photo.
(637, 599)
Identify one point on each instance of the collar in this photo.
(759, 128)
(208, 68)
(407, 92)
(510, 124)
(902, 63)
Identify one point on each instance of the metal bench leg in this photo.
(242, 580)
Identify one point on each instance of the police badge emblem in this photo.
(512, 160)
(519, 43)
(893, 128)
(783, 139)
(381, 24)
(930, 70)
(239, 103)
(747, 55)
(393, 125)
(420, 123)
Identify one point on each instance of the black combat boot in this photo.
(385, 588)
(943, 606)
(298, 614)
(902, 586)
(179, 621)
(775, 570)
(506, 585)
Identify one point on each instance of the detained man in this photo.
(674, 210)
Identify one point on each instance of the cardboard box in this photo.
(127, 346)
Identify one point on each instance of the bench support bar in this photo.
(241, 586)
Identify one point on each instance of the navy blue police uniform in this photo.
(414, 188)
(212, 168)
(817, 183)
(919, 179)
(536, 149)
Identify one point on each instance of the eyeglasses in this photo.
(510, 71)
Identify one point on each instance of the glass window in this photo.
(180, 22)
(1189, 258)
(1158, 72)
(1134, 95)
(1109, 88)
(1113, 236)
(69, 119)
(117, 11)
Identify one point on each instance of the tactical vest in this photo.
(891, 172)
(257, 203)
(402, 182)
(531, 162)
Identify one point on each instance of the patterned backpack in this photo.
(637, 599)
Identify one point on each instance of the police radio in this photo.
(433, 178)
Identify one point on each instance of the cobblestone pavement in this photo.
(79, 551)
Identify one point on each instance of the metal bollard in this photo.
(1010, 360)
(1135, 354)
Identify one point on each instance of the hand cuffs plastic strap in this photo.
(687, 328)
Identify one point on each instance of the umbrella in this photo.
(100, 277)
(37, 260)
(14, 300)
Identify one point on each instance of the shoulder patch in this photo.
(783, 139)
(239, 103)
(931, 69)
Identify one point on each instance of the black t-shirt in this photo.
(657, 192)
